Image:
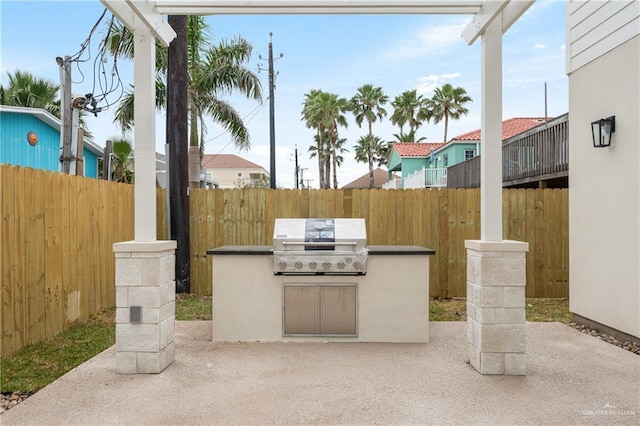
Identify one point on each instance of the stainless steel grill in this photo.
(319, 246)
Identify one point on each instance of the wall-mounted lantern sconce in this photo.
(601, 131)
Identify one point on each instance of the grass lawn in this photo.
(37, 365)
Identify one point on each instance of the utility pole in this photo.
(301, 177)
(65, 113)
(297, 169)
(272, 127)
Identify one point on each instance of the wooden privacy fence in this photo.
(437, 219)
(57, 231)
(56, 250)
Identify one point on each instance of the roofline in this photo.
(239, 7)
(53, 121)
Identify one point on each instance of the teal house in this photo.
(466, 146)
(30, 137)
(423, 165)
(409, 157)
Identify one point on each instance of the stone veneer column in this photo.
(145, 306)
(496, 278)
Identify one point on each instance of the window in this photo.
(469, 154)
(239, 174)
(445, 160)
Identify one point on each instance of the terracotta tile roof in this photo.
(379, 177)
(415, 149)
(511, 127)
(227, 161)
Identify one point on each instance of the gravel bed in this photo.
(10, 400)
(627, 345)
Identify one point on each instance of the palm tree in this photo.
(213, 71)
(321, 150)
(313, 119)
(122, 163)
(325, 112)
(448, 103)
(408, 137)
(25, 90)
(371, 149)
(409, 108)
(367, 105)
(338, 158)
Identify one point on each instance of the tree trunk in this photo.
(177, 138)
(195, 158)
(370, 144)
(446, 127)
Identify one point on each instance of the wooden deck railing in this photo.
(535, 155)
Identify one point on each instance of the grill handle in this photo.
(319, 243)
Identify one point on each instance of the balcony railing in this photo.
(423, 178)
(538, 154)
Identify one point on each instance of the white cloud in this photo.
(563, 47)
(429, 40)
(539, 46)
(427, 84)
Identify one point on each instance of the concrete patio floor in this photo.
(572, 378)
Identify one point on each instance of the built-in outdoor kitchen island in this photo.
(320, 282)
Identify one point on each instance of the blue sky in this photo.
(334, 53)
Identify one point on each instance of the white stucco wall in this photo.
(604, 195)
(392, 299)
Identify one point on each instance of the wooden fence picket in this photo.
(57, 234)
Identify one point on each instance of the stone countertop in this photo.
(373, 250)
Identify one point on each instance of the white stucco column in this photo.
(145, 306)
(491, 134)
(496, 269)
(496, 280)
(144, 113)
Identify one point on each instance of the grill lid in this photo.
(319, 246)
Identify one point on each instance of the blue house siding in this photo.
(90, 164)
(15, 149)
(413, 164)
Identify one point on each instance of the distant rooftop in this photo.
(415, 149)
(511, 127)
(227, 161)
(379, 177)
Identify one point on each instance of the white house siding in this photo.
(229, 179)
(604, 196)
(596, 27)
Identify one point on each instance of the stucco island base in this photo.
(392, 299)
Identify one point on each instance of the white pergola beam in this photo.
(507, 12)
(480, 21)
(122, 11)
(310, 7)
(144, 10)
(513, 11)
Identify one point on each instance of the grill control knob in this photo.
(348, 260)
(326, 265)
(357, 266)
(341, 265)
(312, 265)
(298, 265)
(283, 265)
